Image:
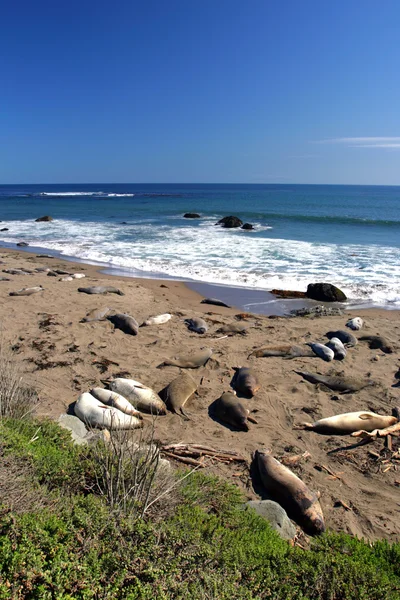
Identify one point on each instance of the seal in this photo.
(214, 301)
(234, 328)
(355, 323)
(189, 361)
(178, 393)
(157, 320)
(96, 414)
(97, 314)
(339, 350)
(245, 381)
(343, 385)
(197, 324)
(116, 400)
(347, 338)
(347, 423)
(142, 397)
(229, 409)
(27, 291)
(125, 323)
(322, 351)
(101, 289)
(377, 342)
(78, 275)
(284, 350)
(291, 492)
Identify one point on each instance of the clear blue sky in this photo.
(300, 91)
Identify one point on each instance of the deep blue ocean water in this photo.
(347, 235)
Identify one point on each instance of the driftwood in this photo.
(196, 453)
(378, 433)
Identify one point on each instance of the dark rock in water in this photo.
(325, 292)
(124, 223)
(317, 311)
(191, 216)
(44, 256)
(288, 294)
(45, 218)
(247, 226)
(230, 222)
(4, 229)
(22, 244)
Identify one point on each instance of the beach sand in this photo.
(63, 357)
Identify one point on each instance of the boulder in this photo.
(191, 216)
(275, 515)
(288, 294)
(22, 244)
(75, 426)
(230, 222)
(247, 226)
(45, 218)
(325, 292)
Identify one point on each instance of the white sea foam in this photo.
(106, 195)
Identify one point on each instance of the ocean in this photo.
(346, 235)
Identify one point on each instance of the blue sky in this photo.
(297, 91)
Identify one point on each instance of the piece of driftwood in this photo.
(378, 433)
(197, 453)
(186, 460)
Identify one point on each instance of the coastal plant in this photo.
(17, 398)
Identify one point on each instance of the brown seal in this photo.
(344, 385)
(101, 289)
(189, 361)
(97, 314)
(284, 350)
(125, 323)
(245, 381)
(229, 409)
(377, 342)
(178, 393)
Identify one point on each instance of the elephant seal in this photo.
(339, 350)
(78, 275)
(348, 423)
(347, 338)
(215, 302)
(245, 381)
(66, 278)
(343, 385)
(101, 289)
(284, 350)
(116, 400)
(125, 323)
(178, 393)
(189, 361)
(158, 320)
(291, 492)
(96, 414)
(197, 324)
(97, 314)
(378, 342)
(142, 397)
(322, 351)
(229, 409)
(16, 272)
(355, 323)
(27, 291)
(234, 328)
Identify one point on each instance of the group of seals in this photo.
(95, 413)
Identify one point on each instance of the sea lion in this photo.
(347, 338)
(141, 397)
(16, 272)
(125, 323)
(291, 492)
(229, 409)
(61, 272)
(233, 328)
(285, 350)
(339, 350)
(348, 423)
(215, 302)
(322, 351)
(95, 414)
(97, 314)
(355, 323)
(189, 361)
(157, 320)
(101, 289)
(378, 342)
(116, 400)
(343, 385)
(197, 324)
(245, 381)
(27, 291)
(78, 275)
(178, 393)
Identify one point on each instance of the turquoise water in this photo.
(347, 235)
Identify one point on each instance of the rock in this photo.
(124, 223)
(230, 222)
(75, 426)
(191, 216)
(325, 292)
(317, 311)
(247, 226)
(288, 294)
(45, 218)
(22, 244)
(275, 515)
(4, 229)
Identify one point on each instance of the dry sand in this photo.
(63, 357)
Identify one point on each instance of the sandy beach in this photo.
(63, 357)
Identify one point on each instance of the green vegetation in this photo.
(65, 542)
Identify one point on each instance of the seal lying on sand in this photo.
(338, 349)
(101, 289)
(355, 323)
(284, 350)
(229, 409)
(125, 323)
(97, 314)
(215, 302)
(347, 338)
(233, 328)
(189, 361)
(378, 342)
(348, 423)
(344, 385)
(197, 324)
(142, 397)
(116, 400)
(96, 414)
(322, 351)
(158, 320)
(291, 492)
(27, 291)
(178, 393)
(245, 381)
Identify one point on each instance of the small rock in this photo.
(22, 244)
(75, 426)
(45, 218)
(288, 294)
(375, 358)
(317, 311)
(191, 216)
(248, 226)
(275, 515)
(230, 222)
